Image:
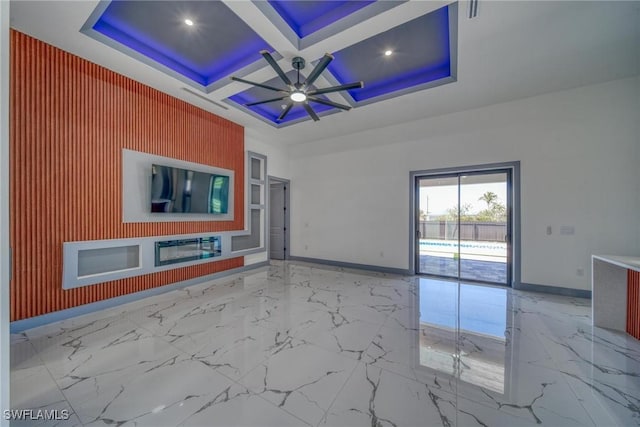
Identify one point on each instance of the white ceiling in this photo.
(511, 50)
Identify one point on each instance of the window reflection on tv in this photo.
(175, 190)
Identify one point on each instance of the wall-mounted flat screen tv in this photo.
(175, 190)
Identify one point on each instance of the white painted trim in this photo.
(5, 254)
(136, 181)
(136, 188)
(70, 278)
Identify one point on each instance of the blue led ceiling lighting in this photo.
(307, 17)
(218, 43)
(272, 110)
(305, 23)
(421, 55)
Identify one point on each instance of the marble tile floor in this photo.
(299, 344)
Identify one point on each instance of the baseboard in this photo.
(367, 267)
(56, 316)
(557, 290)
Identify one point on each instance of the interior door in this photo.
(277, 222)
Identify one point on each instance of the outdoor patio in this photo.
(486, 271)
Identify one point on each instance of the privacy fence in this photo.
(448, 230)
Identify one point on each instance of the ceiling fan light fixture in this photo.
(298, 96)
(388, 52)
(299, 93)
(189, 22)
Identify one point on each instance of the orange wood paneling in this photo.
(633, 303)
(70, 120)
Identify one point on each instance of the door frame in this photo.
(515, 210)
(287, 214)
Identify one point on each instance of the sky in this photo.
(442, 198)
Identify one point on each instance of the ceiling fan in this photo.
(300, 93)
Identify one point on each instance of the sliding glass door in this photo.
(463, 226)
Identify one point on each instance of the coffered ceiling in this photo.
(437, 59)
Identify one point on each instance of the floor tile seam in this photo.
(358, 362)
(454, 394)
(66, 399)
(274, 405)
(62, 332)
(558, 364)
(62, 390)
(153, 334)
(582, 402)
(457, 394)
(262, 363)
(366, 322)
(344, 384)
(35, 352)
(331, 350)
(180, 299)
(454, 398)
(473, 399)
(366, 350)
(235, 380)
(521, 414)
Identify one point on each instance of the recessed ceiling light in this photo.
(189, 22)
(388, 52)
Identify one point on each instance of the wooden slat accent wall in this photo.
(70, 120)
(633, 303)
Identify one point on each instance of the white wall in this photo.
(277, 158)
(4, 209)
(277, 165)
(580, 166)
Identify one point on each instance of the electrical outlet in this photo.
(306, 247)
(580, 272)
(381, 254)
(549, 230)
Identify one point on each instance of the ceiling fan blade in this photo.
(266, 101)
(329, 103)
(355, 85)
(275, 66)
(310, 111)
(238, 79)
(285, 112)
(320, 66)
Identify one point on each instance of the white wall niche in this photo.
(136, 189)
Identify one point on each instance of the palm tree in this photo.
(489, 197)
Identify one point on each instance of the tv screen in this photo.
(175, 190)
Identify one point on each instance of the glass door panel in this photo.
(437, 226)
(484, 227)
(463, 226)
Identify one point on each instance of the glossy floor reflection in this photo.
(299, 344)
